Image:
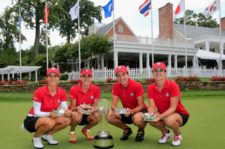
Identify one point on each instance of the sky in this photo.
(128, 10)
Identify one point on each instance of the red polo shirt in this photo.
(162, 99)
(128, 95)
(48, 102)
(77, 94)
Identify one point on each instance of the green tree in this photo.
(88, 13)
(32, 12)
(197, 19)
(9, 32)
(94, 45)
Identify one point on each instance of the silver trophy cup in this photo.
(103, 139)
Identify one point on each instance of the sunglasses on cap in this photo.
(86, 76)
(52, 75)
(158, 70)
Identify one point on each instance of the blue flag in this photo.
(108, 8)
(19, 22)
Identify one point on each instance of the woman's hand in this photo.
(53, 114)
(68, 113)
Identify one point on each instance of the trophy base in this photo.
(105, 142)
(98, 147)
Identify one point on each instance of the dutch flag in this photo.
(145, 7)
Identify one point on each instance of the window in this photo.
(120, 28)
(212, 49)
(224, 51)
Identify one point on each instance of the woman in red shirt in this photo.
(84, 97)
(164, 98)
(42, 117)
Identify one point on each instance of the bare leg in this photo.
(115, 120)
(43, 125)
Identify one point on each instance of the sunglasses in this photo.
(158, 70)
(86, 76)
(52, 76)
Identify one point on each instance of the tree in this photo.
(197, 19)
(88, 13)
(32, 12)
(95, 45)
(9, 29)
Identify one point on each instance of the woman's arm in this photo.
(37, 110)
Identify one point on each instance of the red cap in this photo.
(53, 70)
(121, 68)
(159, 65)
(86, 72)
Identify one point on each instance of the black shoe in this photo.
(126, 133)
(140, 135)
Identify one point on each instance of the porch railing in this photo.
(136, 73)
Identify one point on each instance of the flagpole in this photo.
(185, 34)
(221, 44)
(114, 38)
(46, 33)
(152, 36)
(79, 54)
(20, 40)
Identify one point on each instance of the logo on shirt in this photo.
(167, 94)
(132, 94)
(92, 97)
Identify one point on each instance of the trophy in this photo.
(103, 140)
(121, 110)
(59, 112)
(149, 117)
(85, 109)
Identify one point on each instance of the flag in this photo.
(145, 7)
(46, 14)
(108, 8)
(213, 7)
(20, 19)
(74, 11)
(180, 8)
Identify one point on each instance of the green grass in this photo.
(204, 130)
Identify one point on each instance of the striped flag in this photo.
(46, 11)
(213, 7)
(180, 8)
(145, 8)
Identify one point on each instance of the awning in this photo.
(203, 54)
(18, 69)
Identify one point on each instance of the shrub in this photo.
(64, 76)
(186, 79)
(42, 81)
(217, 78)
(110, 80)
(4, 82)
(74, 81)
(150, 81)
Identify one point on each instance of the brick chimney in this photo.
(166, 21)
(223, 23)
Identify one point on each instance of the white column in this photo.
(29, 76)
(169, 65)
(36, 78)
(102, 61)
(115, 58)
(98, 62)
(141, 61)
(147, 61)
(13, 75)
(2, 77)
(88, 63)
(207, 45)
(175, 61)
